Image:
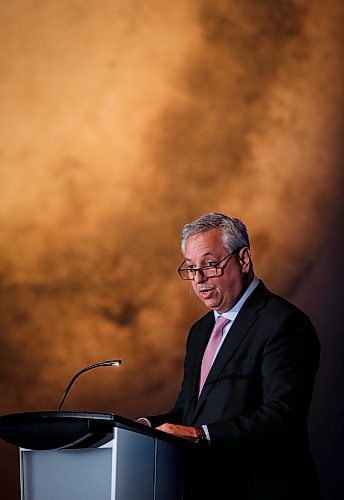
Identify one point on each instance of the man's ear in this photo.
(245, 259)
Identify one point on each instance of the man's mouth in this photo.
(205, 292)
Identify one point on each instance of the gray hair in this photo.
(234, 232)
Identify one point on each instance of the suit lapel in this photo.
(238, 331)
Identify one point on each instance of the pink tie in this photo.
(210, 351)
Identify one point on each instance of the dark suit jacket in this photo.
(255, 403)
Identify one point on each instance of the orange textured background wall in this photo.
(121, 121)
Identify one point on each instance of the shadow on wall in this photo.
(321, 296)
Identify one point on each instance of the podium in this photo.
(94, 456)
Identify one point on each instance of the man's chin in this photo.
(211, 303)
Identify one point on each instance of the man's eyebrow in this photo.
(205, 255)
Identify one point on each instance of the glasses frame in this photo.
(194, 270)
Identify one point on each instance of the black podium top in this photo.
(53, 430)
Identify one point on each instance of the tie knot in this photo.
(221, 322)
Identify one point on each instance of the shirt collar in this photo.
(232, 313)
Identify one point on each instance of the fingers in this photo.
(169, 428)
(179, 430)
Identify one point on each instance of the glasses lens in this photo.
(186, 274)
(209, 272)
(189, 274)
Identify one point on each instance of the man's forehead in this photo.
(204, 245)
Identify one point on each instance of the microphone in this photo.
(111, 362)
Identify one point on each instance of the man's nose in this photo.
(199, 276)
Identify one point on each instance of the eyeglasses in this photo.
(189, 273)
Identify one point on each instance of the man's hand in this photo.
(180, 431)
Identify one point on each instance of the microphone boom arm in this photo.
(111, 362)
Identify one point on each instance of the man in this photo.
(247, 386)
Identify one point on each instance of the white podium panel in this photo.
(129, 466)
(134, 466)
(66, 474)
